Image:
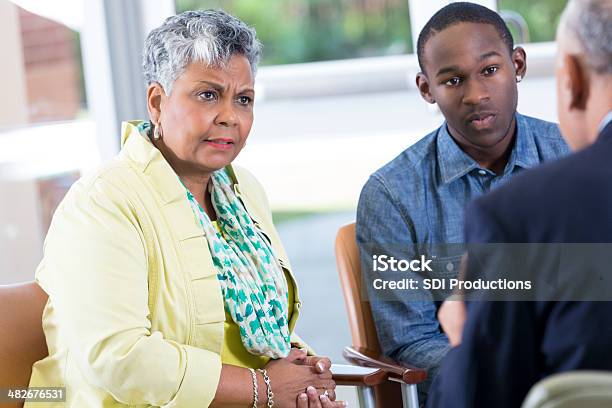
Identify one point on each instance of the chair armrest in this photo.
(396, 371)
(344, 374)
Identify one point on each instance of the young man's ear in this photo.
(519, 60)
(423, 84)
(154, 97)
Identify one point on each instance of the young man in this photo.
(506, 347)
(470, 68)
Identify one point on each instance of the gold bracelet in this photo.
(264, 373)
(255, 388)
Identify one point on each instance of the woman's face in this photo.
(207, 117)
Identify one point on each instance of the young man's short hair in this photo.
(461, 12)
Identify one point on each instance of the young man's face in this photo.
(471, 75)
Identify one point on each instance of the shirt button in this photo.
(482, 172)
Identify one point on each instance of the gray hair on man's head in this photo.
(209, 36)
(590, 22)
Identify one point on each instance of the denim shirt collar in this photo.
(454, 163)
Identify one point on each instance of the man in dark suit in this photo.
(506, 347)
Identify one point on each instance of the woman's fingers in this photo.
(326, 375)
(327, 403)
(313, 398)
(302, 401)
(327, 384)
(321, 364)
(316, 398)
(296, 355)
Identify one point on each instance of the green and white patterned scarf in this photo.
(252, 280)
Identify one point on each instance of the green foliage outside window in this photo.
(542, 16)
(294, 31)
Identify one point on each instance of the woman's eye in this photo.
(244, 100)
(207, 95)
(491, 70)
(454, 81)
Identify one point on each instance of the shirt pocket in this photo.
(205, 290)
(196, 258)
(209, 313)
(444, 269)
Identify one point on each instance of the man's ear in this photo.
(154, 99)
(577, 82)
(519, 60)
(423, 84)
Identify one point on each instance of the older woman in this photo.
(168, 285)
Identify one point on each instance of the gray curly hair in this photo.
(209, 36)
(591, 23)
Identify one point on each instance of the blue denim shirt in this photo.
(419, 198)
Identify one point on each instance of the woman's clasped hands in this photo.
(303, 381)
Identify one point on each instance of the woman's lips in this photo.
(223, 144)
(483, 122)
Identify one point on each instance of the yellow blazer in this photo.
(135, 315)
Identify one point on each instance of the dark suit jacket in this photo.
(508, 346)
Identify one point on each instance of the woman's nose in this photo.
(227, 114)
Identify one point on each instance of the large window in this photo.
(46, 59)
(43, 144)
(295, 31)
(541, 16)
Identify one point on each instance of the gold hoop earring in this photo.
(158, 132)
